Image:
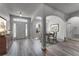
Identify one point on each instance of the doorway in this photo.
(19, 30)
(19, 27)
(55, 29)
(74, 29)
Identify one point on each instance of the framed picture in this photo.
(54, 27)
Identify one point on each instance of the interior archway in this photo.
(74, 29)
(56, 20)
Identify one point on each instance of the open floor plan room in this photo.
(39, 29)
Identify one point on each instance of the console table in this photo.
(2, 45)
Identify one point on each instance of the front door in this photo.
(20, 30)
(20, 27)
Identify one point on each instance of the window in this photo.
(19, 20)
(26, 30)
(14, 30)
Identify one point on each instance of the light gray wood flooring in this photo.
(27, 47)
(68, 48)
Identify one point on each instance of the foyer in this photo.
(39, 29)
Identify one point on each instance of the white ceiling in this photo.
(65, 7)
(27, 9)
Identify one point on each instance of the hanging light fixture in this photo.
(20, 13)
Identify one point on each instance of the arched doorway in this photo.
(56, 24)
(74, 29)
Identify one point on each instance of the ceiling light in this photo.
(20, 13)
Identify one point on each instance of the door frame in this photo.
(11, 25)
